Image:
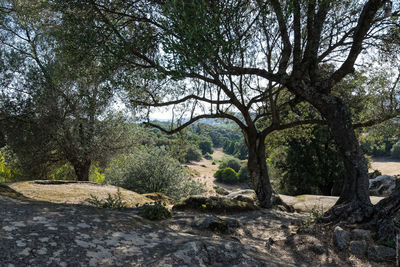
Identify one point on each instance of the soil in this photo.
(386, 165)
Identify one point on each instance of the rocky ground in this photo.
(34, 233)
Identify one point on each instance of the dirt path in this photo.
(386, 165)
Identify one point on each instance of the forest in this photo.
(300, 97)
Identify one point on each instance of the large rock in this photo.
(382, 185)
(381, 253)
(216, 224)
(247, 195)
(340, 237)
(361, 234)
(213, 204)
(358, 247)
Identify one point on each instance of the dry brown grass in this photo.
(385, 165)
(75, 193)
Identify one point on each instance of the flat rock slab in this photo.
(44, 234)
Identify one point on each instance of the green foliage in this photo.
(243, 173)
(236, 148)
(233, 163)
(395, 151)
(149, 170)
(7, 172)
(63, 172)
(206, 146)
(226, 175)
(379, 140)
(192, 154)
(111, 202)
(308, 164)
(156, 211)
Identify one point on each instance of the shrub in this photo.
(151, 170)
(231, 163)
(243, 174)
(156, 211)
(395, 151)
(111, 202)
(227, 175)
(192, 154)
(206, 147)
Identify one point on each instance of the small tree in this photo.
(395, 151)
(206, 146)
(232, 163)
(149, 170)
(226, 175)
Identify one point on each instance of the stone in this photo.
(213, 204)
(216, 224)
(386, 229)
(361, 234)
(340, 237)
(381, 253)
(382, 185)
(317, 249)
(247, 195)
(358, 247)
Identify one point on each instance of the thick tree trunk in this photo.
(354, 202)
(258, 172)
(82, 170)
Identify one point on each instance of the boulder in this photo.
(247, 195)
(382, 185)
(318, 249)
(213, 204)
(358, 247)
(340, 237)
(381, 253)
(361, 234)
(160, 197)
(216, 224)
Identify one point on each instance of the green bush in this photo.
(243, 174)
(395, 151)
(151, 170)
(206, 146)
(111, 202)
(232, 163)
(156, 211)
(192, 154)
(309, 164)
(227, 175)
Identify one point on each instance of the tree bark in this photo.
(82, 170)
(354, 204)
(258, 171)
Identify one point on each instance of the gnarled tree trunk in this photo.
(82, 170)
(354, 202)
(258, 171)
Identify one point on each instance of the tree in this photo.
(252, 62)
(308, 163)
(53, 109)
(205, 146)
